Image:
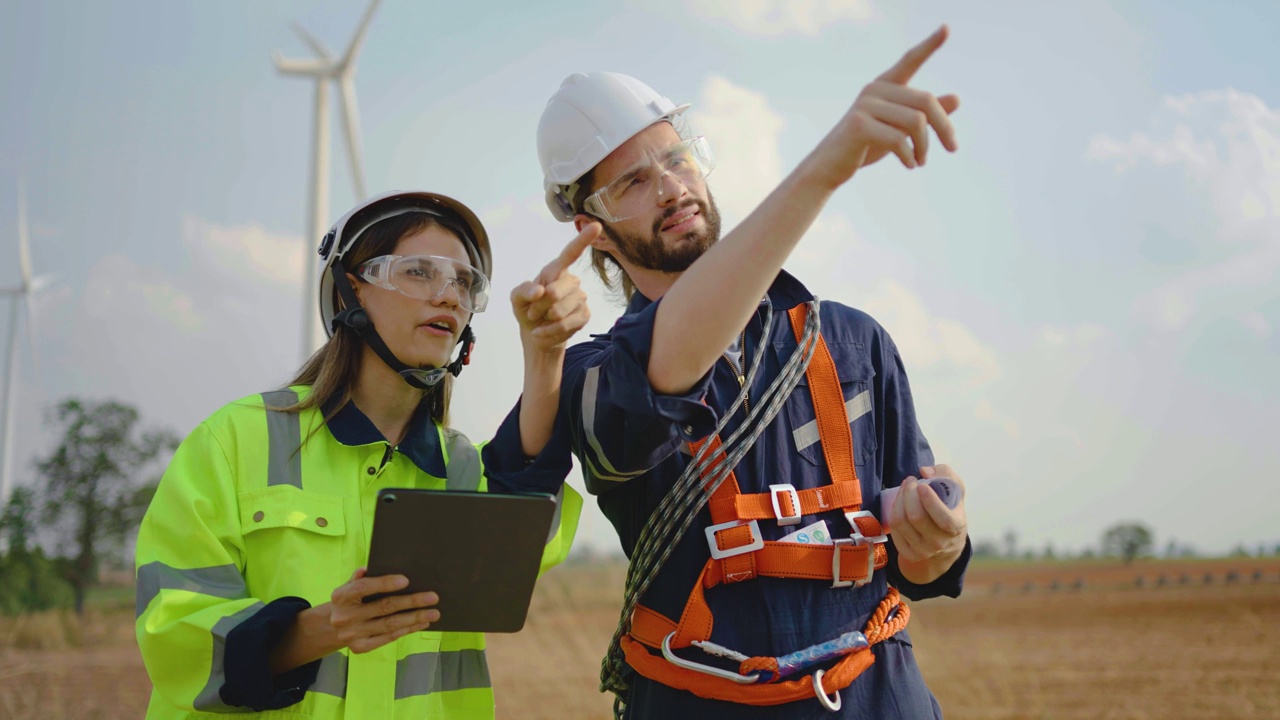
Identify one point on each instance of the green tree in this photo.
(97, 485)
(17, 522)
(28, 580)
(1127, 540)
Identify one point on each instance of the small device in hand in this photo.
(947, 490)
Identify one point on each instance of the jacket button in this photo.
(322, 522)
(372, 470)
(257, 517)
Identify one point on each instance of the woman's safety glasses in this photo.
(638, 189)
(425, 277)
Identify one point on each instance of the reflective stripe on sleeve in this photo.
(605, 470)
(223, 581)
(209, 700)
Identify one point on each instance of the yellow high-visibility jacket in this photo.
(242, 517)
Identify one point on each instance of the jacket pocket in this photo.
(853, 365)
(293, 542)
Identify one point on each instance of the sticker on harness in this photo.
(815, 534)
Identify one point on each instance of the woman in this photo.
(247, 600)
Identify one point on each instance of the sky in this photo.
(1085, 296)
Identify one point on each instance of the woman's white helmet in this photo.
(588, 118)
(342, 237)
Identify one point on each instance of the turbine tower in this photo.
(21, 294)
(324, 69)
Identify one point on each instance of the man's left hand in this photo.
(929, 536)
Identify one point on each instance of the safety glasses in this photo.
(426, 277)
(638, 188)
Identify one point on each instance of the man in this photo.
(786, 554)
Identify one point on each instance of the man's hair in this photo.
(607, 268)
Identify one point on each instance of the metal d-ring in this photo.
(822, 694)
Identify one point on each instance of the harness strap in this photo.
(828, 406)
(804, 562)
(759, 506)
(650, 629)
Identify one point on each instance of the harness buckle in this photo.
(775, 493)
(851, 515)
(855, 538)
(757, 540)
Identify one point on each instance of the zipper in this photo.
(386, 457)
(741, 374)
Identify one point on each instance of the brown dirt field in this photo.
(1009, 649)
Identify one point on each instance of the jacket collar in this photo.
(421, 444)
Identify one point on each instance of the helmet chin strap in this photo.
(355, 317)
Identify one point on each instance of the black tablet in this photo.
(479, 551)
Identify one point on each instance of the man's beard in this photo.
(650, 253)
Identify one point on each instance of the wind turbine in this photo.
(324, 69)
(21, 294)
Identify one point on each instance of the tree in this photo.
(17, 522)
(1127, 540)
(1011, 543)
(985, 548)
(28, 580)
(96, 489)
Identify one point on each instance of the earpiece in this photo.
(564, 203)
(468, 342)
(355, 318)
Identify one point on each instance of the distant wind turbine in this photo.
(342, 71)
(21, 294)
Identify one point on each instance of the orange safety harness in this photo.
(739, 552)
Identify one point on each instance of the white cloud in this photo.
(164, 300)
(1228, 144)
(1227, 141)
(247, 250)
(744, 133)
(1257, 323)
(1080, 335)
(784, 17)
(938, 346)
(1236, 285)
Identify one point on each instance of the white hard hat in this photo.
(343, 235)
(588, 118)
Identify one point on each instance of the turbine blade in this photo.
(31, 340)
(290, 66)
(316, 46)
(356, 40)
(24, 240)
(351, 129)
